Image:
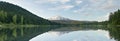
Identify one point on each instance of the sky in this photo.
(84, 10)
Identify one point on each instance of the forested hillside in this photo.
(13, 14)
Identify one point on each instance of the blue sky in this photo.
(88, 10)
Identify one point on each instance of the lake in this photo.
(60, 33)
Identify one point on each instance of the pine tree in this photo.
(15, 19)
(22, 19)
(114, 18)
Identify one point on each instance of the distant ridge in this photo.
(63, 20)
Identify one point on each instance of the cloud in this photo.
(40, 1)
(67, 6)
(64, 1)
(78, 2)
(82, 13)
(62, 7)
(83, 9)
(110, 5)
(94, 1)
(52, 1)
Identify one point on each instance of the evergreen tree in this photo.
(114, 18)
(15, 19)
(22, 19)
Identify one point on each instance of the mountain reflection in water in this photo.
(49, 33)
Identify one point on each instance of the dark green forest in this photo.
(13, 14)
(114, 18)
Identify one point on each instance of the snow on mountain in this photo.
(58, 18)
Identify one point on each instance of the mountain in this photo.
(13, 14)
(63, 20)
(58, 18)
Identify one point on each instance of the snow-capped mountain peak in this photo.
(58, 18)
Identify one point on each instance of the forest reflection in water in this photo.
(22, 33)
(19, 33)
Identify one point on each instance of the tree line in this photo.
(114, 18)
(5, 18)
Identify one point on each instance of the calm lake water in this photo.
(57, 33)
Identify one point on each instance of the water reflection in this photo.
(18, 33)
(114, 32)
(96, 35)
(49, 33)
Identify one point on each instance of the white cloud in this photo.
(75, 40)
(94, 1)
(78, 11)
(75, 11)
(83, 9)
(62, 7)
(67, 6)
(52, 1)
(40, 1)
(61, 1)
(78, 2)
(82, 13)
(64, 1)
(110, 5)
